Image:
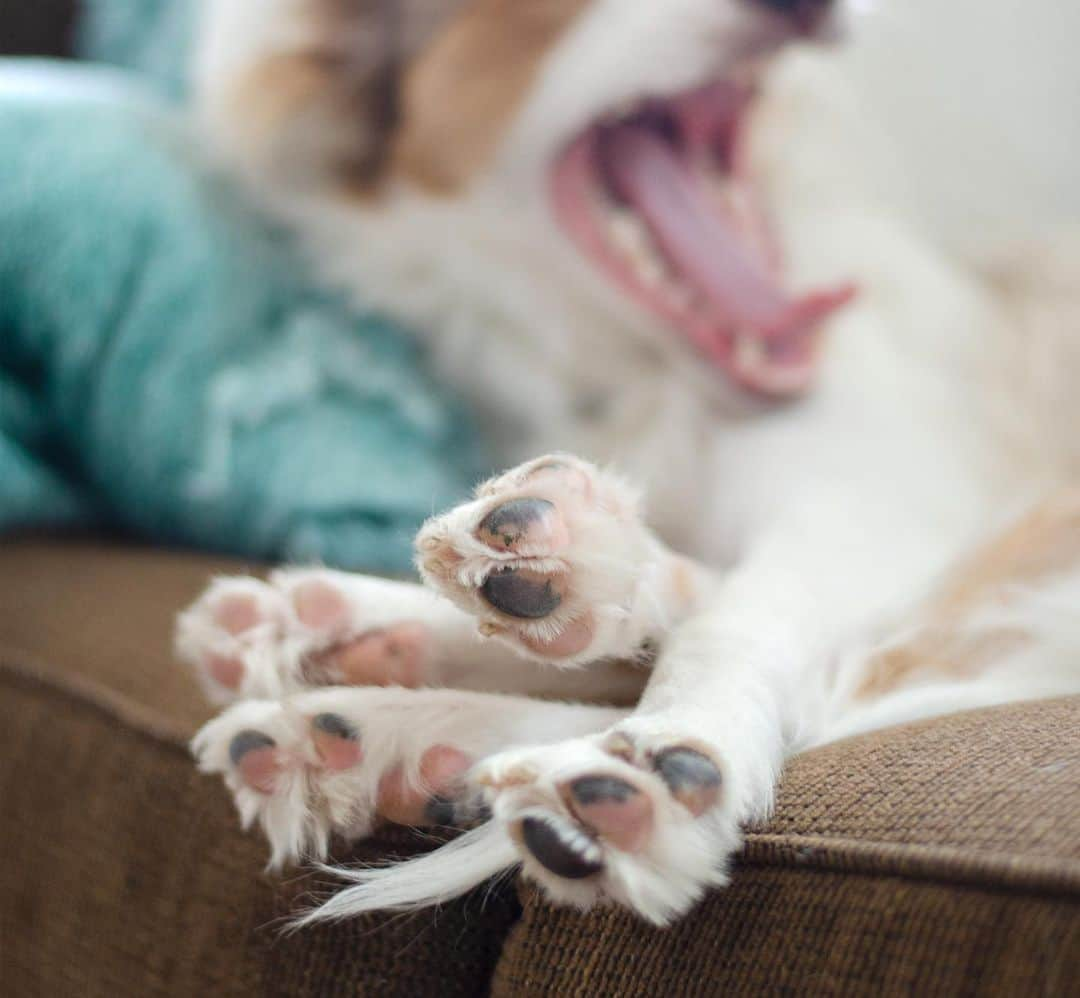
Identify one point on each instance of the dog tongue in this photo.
(708, 250)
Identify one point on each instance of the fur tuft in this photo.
(434, 878)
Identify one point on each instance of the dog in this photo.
(643, 237)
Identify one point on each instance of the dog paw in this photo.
(248, 638)
(637, 820)
(339, 761)
(553, 558)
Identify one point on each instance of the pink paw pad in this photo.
(227, 672)
(692, 778)
(392, 656)
(319, 605)
(237, 614)
(615, 810)
(256, 760)
(430, 801)
(573, 639)
(336, 741)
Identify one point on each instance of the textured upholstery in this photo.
(937, 858)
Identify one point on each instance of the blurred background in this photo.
(168, 370)
(982, 101)
(167, 367)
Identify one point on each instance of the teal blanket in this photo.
(166, 367)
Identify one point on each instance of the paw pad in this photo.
(391, 656)
(523, 522)
(558, 847)
(228, 672)
(574, 637)
(692, 777)
(432, 800)
(519, 592)
(319, 605)
(255, 757)
(550, 558)
(336, 741)
(612, 808)
(237, 614)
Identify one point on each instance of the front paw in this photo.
(246, 638)
(554, 559)
(633, 818)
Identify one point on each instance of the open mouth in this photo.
(659, 198)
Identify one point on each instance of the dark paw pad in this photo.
(441, 811)
(589, 790)
(521, 593)
(335, 725)
(692, 777)
(336, 741)
(519, 521)
(565, 852)
(253, 754)
(615, 809)
(248, 741)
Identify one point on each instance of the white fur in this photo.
(273, 653)
(820, 519)
(396, 727)
(432, 878)
(616, 567)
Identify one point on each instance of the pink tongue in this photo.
(647, 171)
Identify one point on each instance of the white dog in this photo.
(631, 232)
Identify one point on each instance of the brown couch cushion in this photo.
(124, 870)
(937, 858)
(942, 857)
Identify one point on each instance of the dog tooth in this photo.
(648, 270)
(626, 231)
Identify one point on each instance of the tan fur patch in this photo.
(418, 88)
(461, 94)
(1045, 543)
(315, 110)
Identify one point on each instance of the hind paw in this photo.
(639, 820)
(338, 760)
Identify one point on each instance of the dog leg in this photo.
(245, 638)
(339, 760)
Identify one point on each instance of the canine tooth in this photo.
(626, 231)
(631, 239)
(649, 271)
